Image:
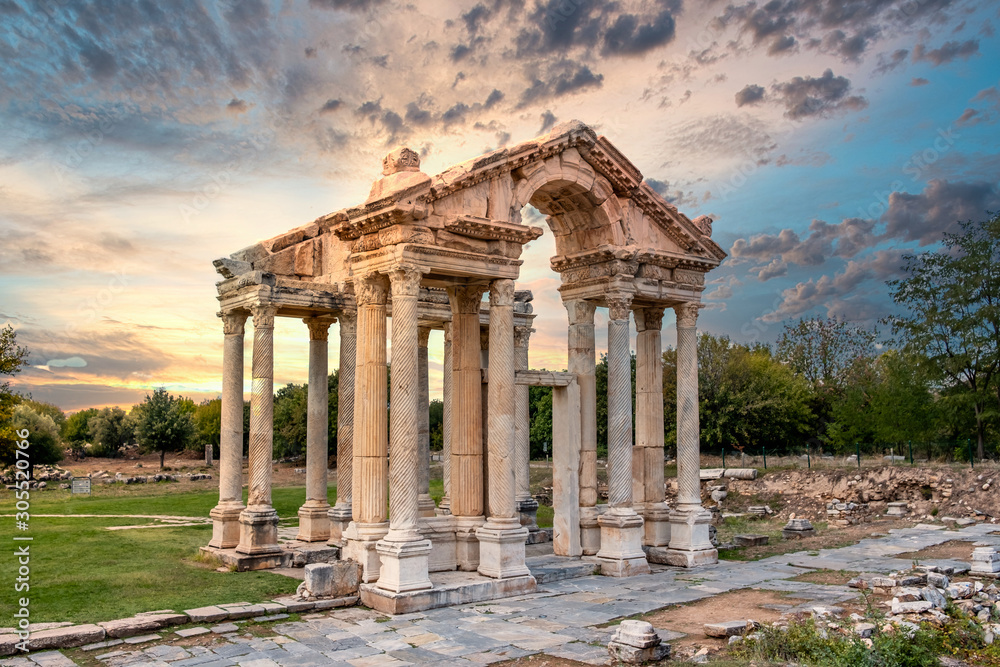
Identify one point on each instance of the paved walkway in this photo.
(560, 619)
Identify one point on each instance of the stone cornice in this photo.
(491, 230)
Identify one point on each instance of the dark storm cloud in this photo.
(561, 78)
(628, 36)
(750, 94)
(236, 105)
(887, 62)
(781, 44)
(947, 52)
(845, 240)
(924, 217)
(494, 98)
(817, 96)
(331, 105)
(548, 121)
(346, 5)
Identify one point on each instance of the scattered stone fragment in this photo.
(910, 607)
(864, 630)
(330, 580)
(142, 639)
(729, 628)
(750, 540)
(937, 580)
(636, 642)
(223, 628)
(193, 632)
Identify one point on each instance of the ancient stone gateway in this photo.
(424, 250)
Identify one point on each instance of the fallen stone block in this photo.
(934, 596)
(69, 637)
(960, 590)
(192, 632)
(223, 628)
(729, 628)
(750, 540)
(330, 580)
(207, 614)
(938, 580)
(864, 630)
(907, 594)
(910, 607)
(636, 642)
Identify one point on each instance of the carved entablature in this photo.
(608, 160)
(494, 230)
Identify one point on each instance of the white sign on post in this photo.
(81, 485)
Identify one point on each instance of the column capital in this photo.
(319, 327)
(619, 306)
(371, 289)
(687, 314)
(233, 322)
(466, 299)
(405, 280)
(648, 319)
(580, 311)
(263, 315)
(348, 320)
(423, 335)
(521, 335)
(502, 292)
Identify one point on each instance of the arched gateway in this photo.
(425, 250)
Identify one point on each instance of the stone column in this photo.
(621, 553)
(370, 467)
(226, 515)
(466, 423)
(582, 362)
(527, 506)
(647, 456)
(445, 506)
(403, 550)
(689, 537)
(314, 520)
(259, 521)
(427, 507)
(501, 539)
(484, 363)
(340, 513)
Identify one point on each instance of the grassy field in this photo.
(82, 572)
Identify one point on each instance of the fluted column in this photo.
(690, 544)
(370, 469)
(423, 425)
(445, 506)
(647, 456)
(226, 515)
(403, 550)
(259, 521)
(314, 522)
(466, 423)
(501, 539)
(582, 362)
(527, 506)
(621, 528)
(340, 513)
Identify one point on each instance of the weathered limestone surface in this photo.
(582, 362)
(314, 520)
(427, 507)
(526, 505)
(342, 513)
(226, 515)
(647, 457)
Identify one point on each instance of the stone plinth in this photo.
(897, 509)
(621, 553)
(245, 562)
(590, 530)
(690, 541)
(404, 566)
(985, 560)
(340, 518)
(466, 542)
(449, 588)
(501, 551)
(528, 511)
(440, 530)
(796, 529)
(258, 531)
(656, 524)
(359, 546)
(750, 540)
(636, 642)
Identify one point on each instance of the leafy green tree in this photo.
(110, 430)
(76, 428)
(951, 298)
(208, 423)
(437, 425)
(12, 358)
(43, 408)
(601, 381)
(333, 400)
(43, 435)
(540, 420)
(163, 424)
(747, 398)
(290, 417)
(902, 403)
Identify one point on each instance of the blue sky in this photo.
(143, 140)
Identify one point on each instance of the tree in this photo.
(540, 421)
(163, 424)
(43, 435)
(290, 420)
(952, 302)
(436, 425)
(601, 382)
(43, 408)
(208, 422)
(12, 358)
(110, 430)
(76, 429)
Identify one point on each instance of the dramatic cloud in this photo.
(627, 36)
(889, 62)
(775, 269)
(941, 205)
(562, 78)
(947, 52)
(750, 94)
(844, 240)
(819, 96)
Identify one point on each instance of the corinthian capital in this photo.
(348, 322)
(319, 327)
(233, 322)
(648, 319)
(580, 311)
(619, 306)
(466, 299)
(502, 293)
(405, 280)
(263, 315)
(521, 336)
(687, 314)
(371, 289)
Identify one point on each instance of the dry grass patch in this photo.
(953, 549)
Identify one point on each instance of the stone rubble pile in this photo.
(103, 477)
(844, 514)
(40, 473)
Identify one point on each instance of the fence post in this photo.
(910, 442)
(723, 458)
(763, 450)
(857, 447)
(972, 461)
(808, 458)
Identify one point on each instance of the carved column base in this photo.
(656, 525)
(444, 507)
(258, 531)
(440, 530)
(426, 505)
(404, 566)
(359, 546)
(466, 542)
(501, 549)
(314, 522)
(528, 509)
(590, 530)
(621, 553)
(689, 529)
(340, 519)
(226, 525)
